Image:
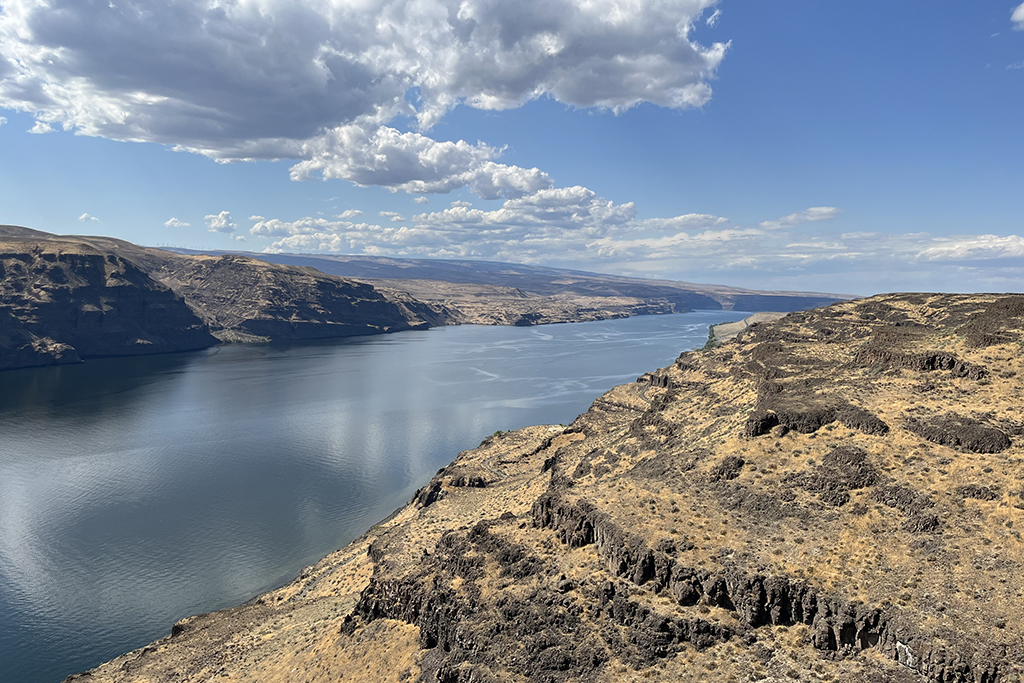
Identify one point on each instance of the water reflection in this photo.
(136, 491)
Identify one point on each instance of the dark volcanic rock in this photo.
(62, 301)
(842, 470)
(961, 433)
(245, 299)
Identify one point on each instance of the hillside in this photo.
(832, 496)
(64, 298)
(64, 301)
(458, 282)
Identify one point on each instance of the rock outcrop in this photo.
(660, 538)
(64, 301)
(245, 299)
(65, 298)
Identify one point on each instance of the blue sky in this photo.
(803, 144)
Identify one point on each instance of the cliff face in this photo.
(478, 304)
(245, 299)
(832, 496)
(64, 298)
(60, 302)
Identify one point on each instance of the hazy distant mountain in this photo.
(543, 281)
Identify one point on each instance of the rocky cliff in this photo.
(833, 496)
(61, 302)
(64, 298)
(245, 299)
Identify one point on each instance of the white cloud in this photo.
(573, 227)
(414, 163)
(974, 248)
(3, 120)
(41, 128)
(85, 218)
(1015, 65)
(573, 223)
(350, 213)
(175, 223)
(392, 215)
(815, 213)
(220, 222)
(1018, 18)
(318, 82)
(714, 17)
(421, 200)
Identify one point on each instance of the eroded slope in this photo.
(63, 301)
(833, 496)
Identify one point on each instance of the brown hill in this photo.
(833, 496)
(553, 290)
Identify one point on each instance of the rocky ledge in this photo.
(835, 496)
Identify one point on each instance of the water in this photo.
(137, 491)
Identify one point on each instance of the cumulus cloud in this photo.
(348, 213)
(319, 82)
(41, 128)
(85, 218)
(421, 200)
(220, 222)
(574, 223)
(3, 120)
(414, 163)
(175, 223)
(1018, 18)
(392, 215)
(815, 213)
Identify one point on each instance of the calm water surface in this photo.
(134, 492)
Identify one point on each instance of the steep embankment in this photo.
(833, 496)
(245, 299)
(63, 298)
(61, 302)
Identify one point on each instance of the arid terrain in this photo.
(834, 496)
(542, 294)
(68, 297)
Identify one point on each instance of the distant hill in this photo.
(548, 282)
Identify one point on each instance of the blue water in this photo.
(137, 491)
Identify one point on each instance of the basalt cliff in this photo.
(64, 298)
(833, 496)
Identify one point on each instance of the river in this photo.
(137, 491)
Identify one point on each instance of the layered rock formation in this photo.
(64, 298)
(477, 304)
(61, 302)
(245, 299)
(833, 496)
